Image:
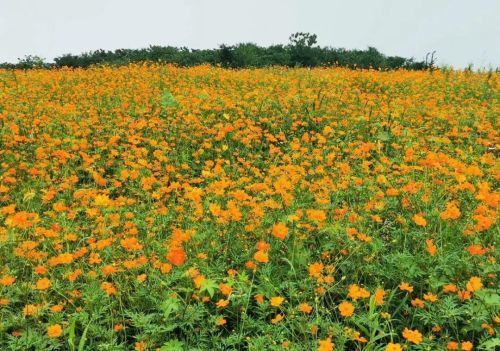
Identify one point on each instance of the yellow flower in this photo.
(474, 284)
(276, 301)
(102, 200)
(30, 310)
(220, 321)
(393, 347)
(222, 303)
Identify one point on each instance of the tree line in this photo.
(301, 51)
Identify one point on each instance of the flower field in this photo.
(151, 207)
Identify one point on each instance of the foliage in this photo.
(301, 51)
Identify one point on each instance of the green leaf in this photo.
(490, 345)
(243, 277)
(83, 340)
(173, 345)
(489, 297)
(169, 306)
(71, 337)
(209, 286)
(384, 136)
(168, 100)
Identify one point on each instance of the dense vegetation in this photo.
(302, 51)
(155, 207)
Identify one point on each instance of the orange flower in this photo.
(316, 215)
(250, 265)
(305, 308)
(464, 295)
(40, 270)
(406, 287)
(393, 347)
(356, 292)
(7, 210)
(262, 246)
(430, 297)
(346, 309)
(43, 284)
(7, 280)
(450, 288)
(62, 259)
(484, 326)
(417, 303)
(431, 248)
(413, 336)
(131, 244)
(225, 289)
(419, 220)
(220, 322)
(326, 345)
(280, 231)
(199, 281)
(54, 331)
(259, 298)
(467, 346)
(474, 284)
(451, 212)
(379, 296)
(278, 318)
(22, 220)
(261, 256)
(476, 250)
(57, 308)
(176, 256)
(315, 270)
(140, 346)
(109, 288)
(30, 310)
(222, 303)
(276, 301)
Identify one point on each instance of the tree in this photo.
(302, 49)
(226, 55)
(31, 61)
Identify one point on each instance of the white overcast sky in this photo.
(461, 31)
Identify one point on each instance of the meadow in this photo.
(152, 207)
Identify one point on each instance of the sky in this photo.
(461, 31)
